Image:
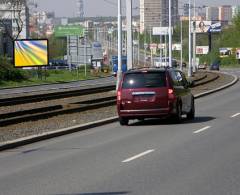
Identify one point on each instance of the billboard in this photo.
(225, 52)
(177, 47)
(207, 26)
(67, 30)
(30, 52)
(97, 52)
(160, 30)
(201, 50)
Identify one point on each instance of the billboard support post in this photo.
(210, 41)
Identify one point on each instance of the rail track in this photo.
(53, 96)
(44, 112)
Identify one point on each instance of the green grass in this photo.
(230, 66)
(52, 76)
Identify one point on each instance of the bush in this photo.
(9, 73)
(231, 60)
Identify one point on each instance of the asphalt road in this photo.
(199, 157)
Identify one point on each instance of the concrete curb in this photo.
(44, 136)
(35, 138)
(218, 89)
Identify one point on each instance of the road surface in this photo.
(153, 157)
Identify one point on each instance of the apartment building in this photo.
(154, 13)
(235, 10)
(225, 14)
(212, 13)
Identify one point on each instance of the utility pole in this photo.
(119, 72)
(181, 57)
(170, 33)
(189, 42)
(129, 34)
(194, 36)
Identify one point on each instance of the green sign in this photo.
(63, 31)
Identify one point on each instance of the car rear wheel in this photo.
(123, 121)
(178, 116)
(191, 114)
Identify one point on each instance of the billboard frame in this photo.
(44, 65)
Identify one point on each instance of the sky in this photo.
(67, 8)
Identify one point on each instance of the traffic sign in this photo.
(68, 30)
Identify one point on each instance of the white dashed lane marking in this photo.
(235, 115)
(138, 156)
(202, 129)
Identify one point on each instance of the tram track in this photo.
(69, 107)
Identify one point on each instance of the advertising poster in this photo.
(207, 26)
(29, 53)
(202, 50)
(225, 52)
(176, 47)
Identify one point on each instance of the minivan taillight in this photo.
(170, 94)
(119, 96)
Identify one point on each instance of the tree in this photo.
(236, 21)
(13, 11)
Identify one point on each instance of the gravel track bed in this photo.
(63, 101)
(12, 132)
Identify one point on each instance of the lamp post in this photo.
(189, 42)
(194, 36)
(170, 32)
(129, 34)
(119, 72)
(181, 57)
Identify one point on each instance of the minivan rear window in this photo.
(144, 79)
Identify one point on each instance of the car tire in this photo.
(191, 114)
(123, 121)
(178, 116)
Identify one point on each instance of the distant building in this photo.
(186, 9)
(9, 11)
(154, 13)
(5, 41)
(80, 9)
(9, 22)
(235, 10)
(212, 13)
(197, 18)
(225, 14)
(41, 24)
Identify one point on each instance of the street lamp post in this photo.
(170, 33)
(189, 42)
(129, 34)
(194, 36)
(181, 57)
(119, 72)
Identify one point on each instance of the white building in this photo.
(235, 10)
(12, 12)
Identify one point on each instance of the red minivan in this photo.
(154, 93)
